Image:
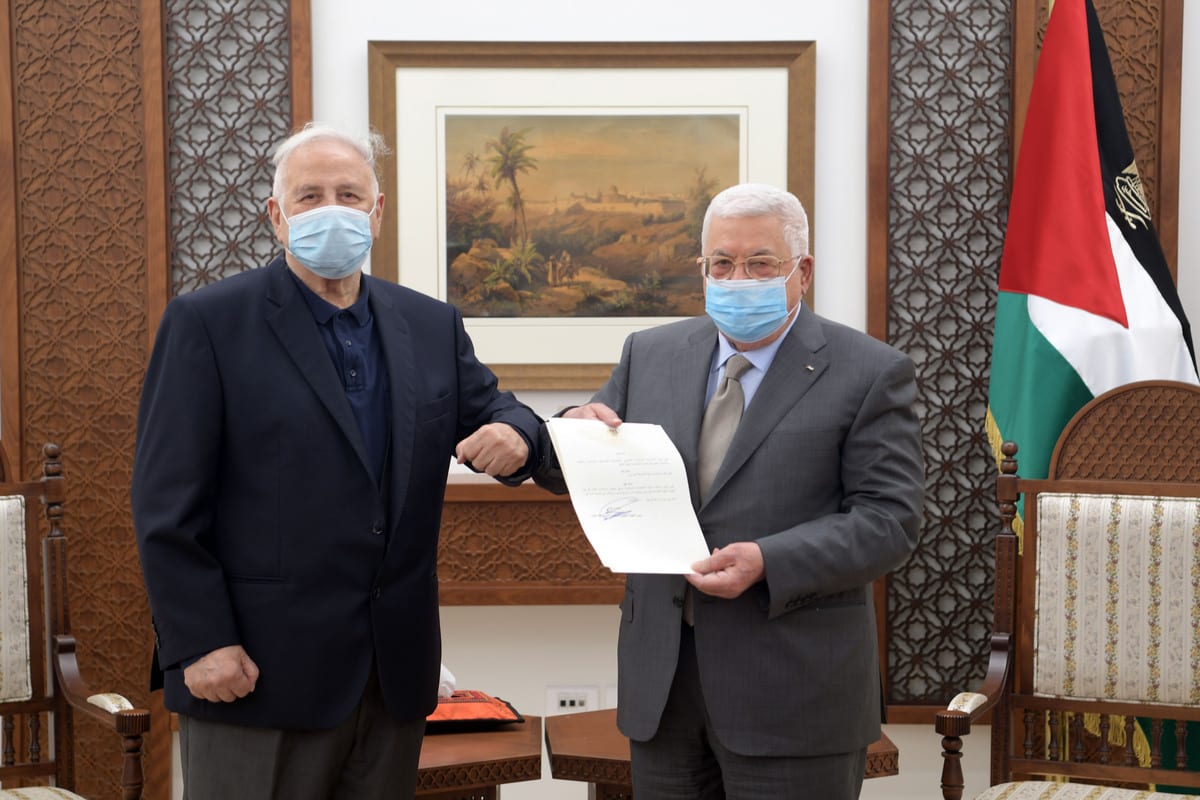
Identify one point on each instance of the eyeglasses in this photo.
(760, 268)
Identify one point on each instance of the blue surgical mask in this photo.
(748, 310)
(333, 241)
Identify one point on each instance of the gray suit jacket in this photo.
(825, 472)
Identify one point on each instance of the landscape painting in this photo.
(581, 215)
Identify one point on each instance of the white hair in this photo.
(371, 148)
(761, 200)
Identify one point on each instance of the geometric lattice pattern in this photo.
(228, 104)
(79, 123)
(443, 778)
(949, 159)
(517, 543)
(510, 550)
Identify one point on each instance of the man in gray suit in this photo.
(758, 676)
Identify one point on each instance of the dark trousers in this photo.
(370, 756)
(686, 761)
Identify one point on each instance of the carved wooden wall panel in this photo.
(81, 211)
(502, 545)
(948, 145)
(950, 81)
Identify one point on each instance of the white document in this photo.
(631, 495)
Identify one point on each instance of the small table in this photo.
(471, 766)
(588, 747)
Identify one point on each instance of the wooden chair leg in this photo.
(952, 776)
(131, 770)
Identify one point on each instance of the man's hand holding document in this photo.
(630, 492)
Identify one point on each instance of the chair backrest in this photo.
(40, 686)
(1102, 597)
(15, 664)
(26, 696)
(1144, 431)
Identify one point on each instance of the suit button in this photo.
(377, 528)
(678, 601)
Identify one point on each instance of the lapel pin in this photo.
(808, 367)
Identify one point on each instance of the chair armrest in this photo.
(111, 710)
(967, 707)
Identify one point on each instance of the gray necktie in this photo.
(721, 419)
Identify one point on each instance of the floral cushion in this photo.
(1119, 574)
(38, 793)
(14, 604)
(1044, 790)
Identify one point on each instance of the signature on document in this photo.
(621, 507)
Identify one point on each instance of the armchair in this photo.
(1094, 670)
(40, 683)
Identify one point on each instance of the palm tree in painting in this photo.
(511, 158)
(516, 269)
(471, 162)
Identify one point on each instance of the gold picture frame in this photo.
(768, 86)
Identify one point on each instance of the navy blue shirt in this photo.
(349, 336)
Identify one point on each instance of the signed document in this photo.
(631, 495)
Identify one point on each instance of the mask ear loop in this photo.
(286, 245)
(799, 302)
(282, 213)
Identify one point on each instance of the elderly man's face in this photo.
(742, 237)
(321, 173)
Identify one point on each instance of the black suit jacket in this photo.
(258, 520)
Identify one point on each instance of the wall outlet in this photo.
(571, 699)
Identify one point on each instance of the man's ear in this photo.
(275, 217)
(377, 217)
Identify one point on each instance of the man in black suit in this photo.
(294, 437)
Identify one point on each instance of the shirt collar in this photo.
(760, 358)
(323, 310)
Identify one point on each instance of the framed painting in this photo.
(554, 192)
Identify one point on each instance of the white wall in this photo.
(515, 652)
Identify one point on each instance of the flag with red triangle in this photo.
(1086, 300)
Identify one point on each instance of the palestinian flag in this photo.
(1086, 301)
